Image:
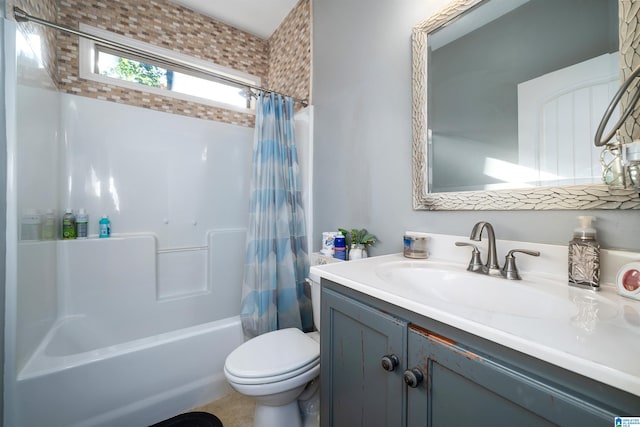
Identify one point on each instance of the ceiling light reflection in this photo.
(114, 194)
(30, 47)
(95, 183)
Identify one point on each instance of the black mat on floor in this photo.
(191, 419)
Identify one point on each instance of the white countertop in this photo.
(593, 334)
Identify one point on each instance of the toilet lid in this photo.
(273, 354)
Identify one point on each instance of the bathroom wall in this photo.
(31, 145)
(290, 53)
(178, 178)
(166, 174)
(362, 100)
(37, 187)
(34, 174)
(3, 204)
(45, 9)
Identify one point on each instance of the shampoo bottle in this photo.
(68, 225)
(105, 227)
(82, 224)
(584, 256)
(49, 227)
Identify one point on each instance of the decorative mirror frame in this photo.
(596, 196)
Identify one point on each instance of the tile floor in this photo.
(233, 409)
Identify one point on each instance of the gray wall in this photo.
(3, 205)
(362, 140)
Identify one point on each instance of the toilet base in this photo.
(278, 416)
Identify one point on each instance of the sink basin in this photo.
(452, 288)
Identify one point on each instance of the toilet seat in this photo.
(273, 357)
(279, 379)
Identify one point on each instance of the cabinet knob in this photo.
(413, 377)
(390, 362)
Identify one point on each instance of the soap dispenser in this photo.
(584, 256)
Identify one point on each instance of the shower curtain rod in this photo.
(22, 16)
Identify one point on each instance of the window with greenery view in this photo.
(134, 71)
(112, 64)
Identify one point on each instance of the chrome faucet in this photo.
(491, 266)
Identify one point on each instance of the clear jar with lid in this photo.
(31, 225)
(415, 245)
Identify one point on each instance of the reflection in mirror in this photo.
(508, 95)
(516, 91)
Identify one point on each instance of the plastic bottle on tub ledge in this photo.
(105, 227)
(68, 225)
(31, 225)
(82, 224)
(49, 225)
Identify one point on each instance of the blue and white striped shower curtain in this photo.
(276, 262)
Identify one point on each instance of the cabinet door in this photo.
(355, 389)
(461, 387)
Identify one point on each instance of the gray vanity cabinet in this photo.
(461, 387)
(355, 389)
(443, 376)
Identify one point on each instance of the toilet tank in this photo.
(314, 283)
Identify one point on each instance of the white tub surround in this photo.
(123, 351)
(133, 329)
(595, 334)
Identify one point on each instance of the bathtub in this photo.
(120, 353)
(134, 383)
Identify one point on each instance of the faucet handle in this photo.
(476, 262)
(510, 271)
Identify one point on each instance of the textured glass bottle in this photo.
(584, 256)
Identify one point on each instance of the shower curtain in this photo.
(276, 262)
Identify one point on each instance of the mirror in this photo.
(512, 131)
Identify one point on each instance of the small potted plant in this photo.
(358, 241)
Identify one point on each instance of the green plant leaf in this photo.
(358, 237)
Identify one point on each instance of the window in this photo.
(110, 65)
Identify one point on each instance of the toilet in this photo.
(277, 369)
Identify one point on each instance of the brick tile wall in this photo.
(282, 62)
(290, 53)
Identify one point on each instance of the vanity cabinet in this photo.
(461, 387)
(355, 389)
(443, 376)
